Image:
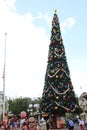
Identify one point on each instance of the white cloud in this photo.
(11, 4)
(40, 15)
(26, 54)
(78, 75)
(48, 18)
(79, 82)
(45, 17)
(67, 24)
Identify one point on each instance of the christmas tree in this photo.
(58, 95)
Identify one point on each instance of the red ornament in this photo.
(23, 114)
(68, 110)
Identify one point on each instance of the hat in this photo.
(31, 119)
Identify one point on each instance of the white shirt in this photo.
(81, 122)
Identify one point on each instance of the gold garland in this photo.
(57, 92)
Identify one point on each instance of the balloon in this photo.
(23, 114)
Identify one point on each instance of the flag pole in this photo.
(4, 77)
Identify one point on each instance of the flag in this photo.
(4, 59)
(3, 73)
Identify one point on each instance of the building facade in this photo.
(83, 105)
(3, 105)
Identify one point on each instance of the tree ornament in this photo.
(55, 11)
(55, 107)
(76, 106)
(68, 110)
(56, 76)
(50, 42)
(57, 97)
(54, 31)
(52, 71)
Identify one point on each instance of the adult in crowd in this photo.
(2, 127)
(33, 124)
(24, 126)
(81, 124)
(71, 124)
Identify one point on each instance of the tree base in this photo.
(53, 129)
(57, 123)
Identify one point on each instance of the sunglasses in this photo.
(32, 122)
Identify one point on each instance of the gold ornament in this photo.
(55, 11)
(56, 76)
(76, 106)
(52, 71)
(57, 97)
(56, 108)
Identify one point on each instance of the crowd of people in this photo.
(71, 124)
(32, 124)
(22, 124)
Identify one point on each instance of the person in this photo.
(33, 124)
(71, 124)
(2, 127)
(81, 124)
(24, 126)
(43, 124)
(48, 124)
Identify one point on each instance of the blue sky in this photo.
(28, 27)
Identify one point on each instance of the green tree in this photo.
(58, 95)
(19, 104)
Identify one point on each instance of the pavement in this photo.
(75, 128)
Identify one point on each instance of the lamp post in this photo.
(34, 110)
(30, 110)
(4, 77)
(38, 113)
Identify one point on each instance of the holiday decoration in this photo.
(58, 96)
(23, 114)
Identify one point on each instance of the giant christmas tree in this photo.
(58, 95)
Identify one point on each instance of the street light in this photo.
(31, 109)
(4, 77)
(34, 109)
